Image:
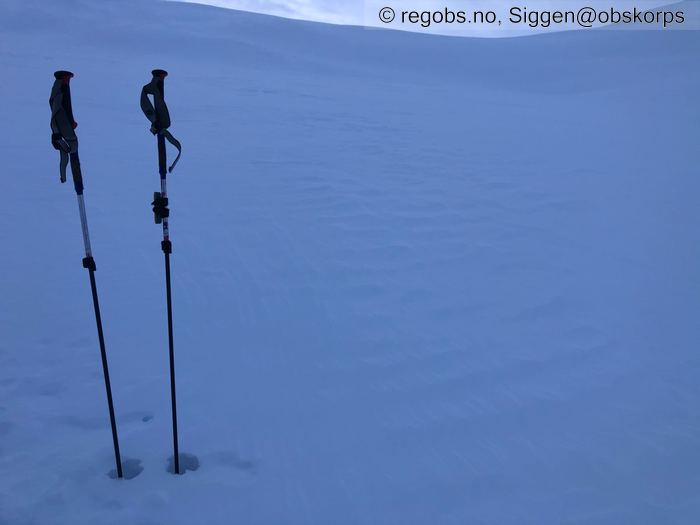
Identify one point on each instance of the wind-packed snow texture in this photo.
(416, 279)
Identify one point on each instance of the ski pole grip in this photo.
(157, 111)
(159, 77)
(159, 82)
(66, 103)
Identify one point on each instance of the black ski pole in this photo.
(65, 140)
(157, 113)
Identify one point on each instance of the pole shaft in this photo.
(89, 263)
(84, 226)
(167, 247)
(105, 369)
(163, 171)
(166, 224)
(172, 361)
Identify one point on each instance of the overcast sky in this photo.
(334, 11)
(364, 12)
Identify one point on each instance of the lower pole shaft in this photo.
(172, 361)
(105, 369)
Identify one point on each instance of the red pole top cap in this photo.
(160, 73)
(63, 75)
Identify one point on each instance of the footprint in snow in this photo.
(233, 460)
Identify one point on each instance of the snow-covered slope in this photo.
(416, 279)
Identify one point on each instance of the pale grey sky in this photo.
(333, 11)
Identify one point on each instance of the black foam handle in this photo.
(77, 173)
(162, 161)
(67, 104)
(159, 76)
(156, 111)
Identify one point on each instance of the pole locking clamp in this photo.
(89, 263)
(160, 207)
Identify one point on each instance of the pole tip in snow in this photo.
(63, 75)
(160, 73)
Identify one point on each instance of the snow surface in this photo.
(417, 279)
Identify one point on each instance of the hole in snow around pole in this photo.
(130, 469)
(187, 462)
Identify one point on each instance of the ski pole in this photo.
(65, 140)
(157, 113)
